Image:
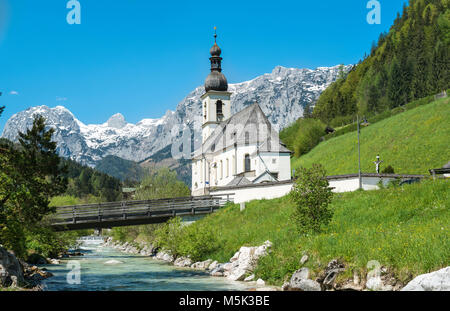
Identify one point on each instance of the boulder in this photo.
(53, 261)
(245, 261)
(11, 272)
(183, 262)
(300, 281)
(434, 281)
(260, 282)
(304, 259)
(218, 270)
(249, 278)
(202, 265)
(300, 274)
(306, 286)
(213, 265)
(113, 262)
(164, 256)
(237, 275)
(285, 286)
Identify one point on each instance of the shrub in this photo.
(198, 241)
(311, 196)
(48, 243)
(168, 236)
(303, 135)
(388, 170)
(308, 135)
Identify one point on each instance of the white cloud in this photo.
(13, 93)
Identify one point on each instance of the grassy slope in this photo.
(412, 142)
(404, 228)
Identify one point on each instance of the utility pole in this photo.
(359, 155)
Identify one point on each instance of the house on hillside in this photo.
(239, 149)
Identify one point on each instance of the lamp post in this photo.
(359, 155)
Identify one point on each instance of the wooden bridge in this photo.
(129, 213)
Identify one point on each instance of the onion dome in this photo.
(215, 50)
(216, 80)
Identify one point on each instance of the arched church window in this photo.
(247, 138)
(247, 163)
(219, 110)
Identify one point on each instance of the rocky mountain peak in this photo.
(281, 94)
(117, 121)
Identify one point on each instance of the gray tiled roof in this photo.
(239, 181)
(249, 125)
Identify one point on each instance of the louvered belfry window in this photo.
(219, 110)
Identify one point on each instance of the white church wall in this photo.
(277, 190)
(245, 194)
(277, 162)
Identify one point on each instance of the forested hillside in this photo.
(121, 168)
(411, 61)
(85, 181)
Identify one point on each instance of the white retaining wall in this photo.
(277, 190)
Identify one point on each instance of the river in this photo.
(134, 273)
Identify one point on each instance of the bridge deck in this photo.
(127, 213)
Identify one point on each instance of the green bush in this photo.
(311, 196)
(48, 243)
(169, 235)
(303, 135)
(195, 241)
(308, 136)
(198, 241)
(388, 170)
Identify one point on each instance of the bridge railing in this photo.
(99, 212)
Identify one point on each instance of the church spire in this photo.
(216, 81)
(215, 51)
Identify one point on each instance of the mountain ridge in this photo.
(282, 94)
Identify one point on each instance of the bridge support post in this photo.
(98, 231)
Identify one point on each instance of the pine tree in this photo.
(30, 175)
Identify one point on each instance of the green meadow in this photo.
(404, 228)
(411, 142)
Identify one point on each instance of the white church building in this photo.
(237, 150)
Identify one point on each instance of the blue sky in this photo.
(141, 57)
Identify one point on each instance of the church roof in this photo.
(239, 181)
(249, 126)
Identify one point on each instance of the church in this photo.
(236, 150)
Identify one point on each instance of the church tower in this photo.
(216, 104)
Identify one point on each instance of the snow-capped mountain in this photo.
(282, 95)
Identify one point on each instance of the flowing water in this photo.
(127, 272)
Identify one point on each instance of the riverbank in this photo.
(238, 268)
(17, 275)
(377, 240)
(103, 268)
